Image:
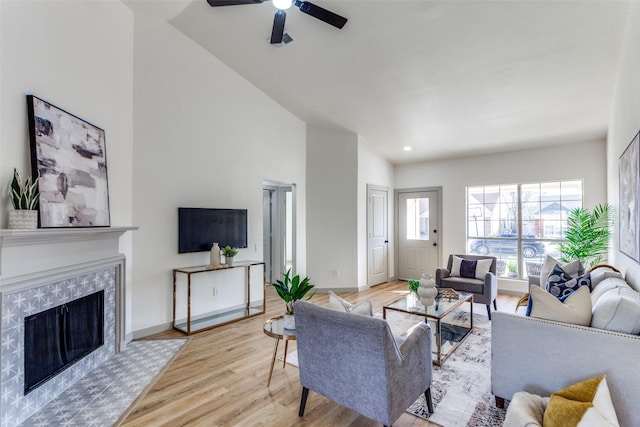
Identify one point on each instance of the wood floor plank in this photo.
(220, 378)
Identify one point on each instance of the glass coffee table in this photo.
(450, 326)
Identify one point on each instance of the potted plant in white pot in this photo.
(24, 197)
(292, 289)
(229, 253)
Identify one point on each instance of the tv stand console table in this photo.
(222, 316)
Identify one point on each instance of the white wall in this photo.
(376, 170)
(204, 137)
(624, 125)
(584, 161)
(332, 173)
(78, 56)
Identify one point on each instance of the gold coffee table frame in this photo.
(445, 307)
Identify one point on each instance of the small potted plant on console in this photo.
(229, 253)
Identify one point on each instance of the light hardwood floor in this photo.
(220, 377)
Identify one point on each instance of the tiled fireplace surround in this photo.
(41, 269)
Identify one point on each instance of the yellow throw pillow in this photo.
(585, 404)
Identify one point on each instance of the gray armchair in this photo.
(484, 291)
(355, 361)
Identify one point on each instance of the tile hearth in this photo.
(102, 396)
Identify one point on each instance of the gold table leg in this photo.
(273, 360)
(284, 359)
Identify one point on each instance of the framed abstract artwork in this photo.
(69, 157)
(629, 223)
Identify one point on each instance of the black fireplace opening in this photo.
(57, 338)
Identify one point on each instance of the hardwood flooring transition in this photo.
(220, 377)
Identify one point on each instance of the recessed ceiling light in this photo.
(407, 148)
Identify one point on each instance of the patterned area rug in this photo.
(105, 395)
(461, 389)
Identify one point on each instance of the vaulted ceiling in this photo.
(447, 78)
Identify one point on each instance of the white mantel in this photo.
(28, 254)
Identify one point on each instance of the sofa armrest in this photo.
(441, 273)
(542, 356)
(415, 334)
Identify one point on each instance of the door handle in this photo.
(435, 244)
(386, 241)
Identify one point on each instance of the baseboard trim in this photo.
(142, 333)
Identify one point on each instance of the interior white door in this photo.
(377, 236)
(267, 236)
(417, 233)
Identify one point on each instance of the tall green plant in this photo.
(24, 195)
(292, 289)
(588, 235)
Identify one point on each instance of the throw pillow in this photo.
(575, 309)
(340, 304)
(605, 286)
(482, 267)
(559, 283)
(602, 272)
(618, 310)
(471, 269)
(573, 269)
(587, 403)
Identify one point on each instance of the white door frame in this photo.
(278, 228)
(397, 192)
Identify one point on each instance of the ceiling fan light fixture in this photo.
(282, 4)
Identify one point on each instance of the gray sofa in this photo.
(542, 356)
(354, 360)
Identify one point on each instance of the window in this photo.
(520, 223)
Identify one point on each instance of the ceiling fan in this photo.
(278, 22)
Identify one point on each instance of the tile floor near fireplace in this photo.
(101, 397)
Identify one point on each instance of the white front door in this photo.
(418, 233)
(377, 236)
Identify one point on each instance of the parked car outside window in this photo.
(506, 243)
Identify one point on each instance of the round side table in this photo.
(275, 329)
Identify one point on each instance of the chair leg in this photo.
(427, 396)
(303, 400)
(495, 306)
(499, 402)
(489, 311)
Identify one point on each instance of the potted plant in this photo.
(588, 235)
(413, 285)
(229, 253)
(512, 265)
(292, 289)
(24, 197)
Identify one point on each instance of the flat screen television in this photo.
(199, 228)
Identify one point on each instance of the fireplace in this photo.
(56, 338)
(45, 276)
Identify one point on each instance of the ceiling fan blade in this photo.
(278, 27)
(321, 13)
(215, 3)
